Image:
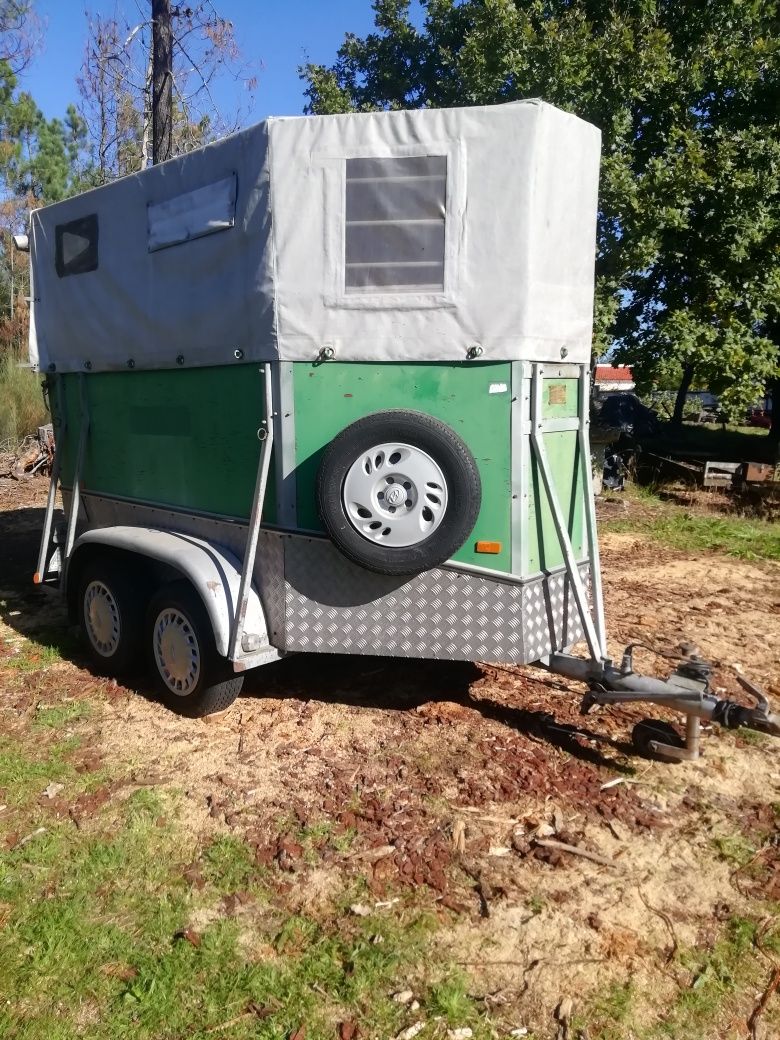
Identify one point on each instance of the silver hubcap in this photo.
(176, 651)
(101, 618)
(395, 494)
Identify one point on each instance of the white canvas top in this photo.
(385, 236)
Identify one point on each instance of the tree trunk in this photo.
(146, 134)
(162, 81)
(774, 429)
(682, 395)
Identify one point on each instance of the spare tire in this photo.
(398, 492)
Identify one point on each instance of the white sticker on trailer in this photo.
(498, 388)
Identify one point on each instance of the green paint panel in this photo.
(330, 396)
(185, 438)
(544, 551)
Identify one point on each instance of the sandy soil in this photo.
(431, 777)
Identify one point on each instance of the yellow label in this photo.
(556, 393)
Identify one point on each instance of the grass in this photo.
(691, 532)
(21, 402)
(228, 864)
(58, 715)
(734, 848)
(734, 444)
(100, 934)
(50, 646)
(127, 925)
(449, 999)
(34, 656)
(718, 987)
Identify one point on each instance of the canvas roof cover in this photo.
(388, 236)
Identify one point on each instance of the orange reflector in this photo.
(36, 578)
(489, 547)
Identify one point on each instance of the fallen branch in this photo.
(575, 850)
(774, 978)
(739, 870)
(35, 834)
(488, 819)
(760, 1007)
(481, 887)
(666, 920)
(375, 854)
(253, 1011)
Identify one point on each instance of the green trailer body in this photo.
(187, 441)
(324, 386)
(329, 377)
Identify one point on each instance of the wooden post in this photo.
(162, 81)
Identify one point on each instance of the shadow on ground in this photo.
(390, 684)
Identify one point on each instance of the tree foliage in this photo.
(115, 84)
(20, 33)
(687, 96)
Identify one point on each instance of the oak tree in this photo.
(687, 97)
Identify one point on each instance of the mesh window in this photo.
(76, 246)
(394, 232)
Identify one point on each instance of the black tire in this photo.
(449, 453)
(211, 686)
(655, 729)
(110, 616)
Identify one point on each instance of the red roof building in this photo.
(614, 377)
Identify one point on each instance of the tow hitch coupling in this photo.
(686, 690)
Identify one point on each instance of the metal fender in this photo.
(214, 572)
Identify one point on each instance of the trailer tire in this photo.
(426, 468)
(110, 615)
(656, 730)
(191, 676)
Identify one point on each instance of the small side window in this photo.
(76, 246)
(194, 214)
(395, 222)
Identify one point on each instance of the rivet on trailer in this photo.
(324, 386)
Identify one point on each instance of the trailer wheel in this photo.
(110, 616)
(398, 492)
(655, 729)
(191, 676)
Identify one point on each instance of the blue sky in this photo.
(276, 35)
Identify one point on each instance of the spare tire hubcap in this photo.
(395, 494)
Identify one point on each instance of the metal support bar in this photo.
(537, 441)
(75, 497)
(520, 463)
(583, 444)
(672, 698)
(256, 516)
(688, 753)
(692, 734)
(59, 441)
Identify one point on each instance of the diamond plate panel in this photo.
(325, 603)
(268, 575)
(333, 606)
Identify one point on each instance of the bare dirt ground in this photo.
(427, 779)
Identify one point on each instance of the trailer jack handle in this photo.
(686, 690)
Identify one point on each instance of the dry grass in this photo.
(21, 402)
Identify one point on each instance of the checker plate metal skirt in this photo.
(267, 578)
(325, 603)
(334, 606)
